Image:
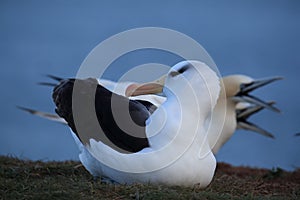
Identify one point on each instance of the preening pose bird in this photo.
(131, 144)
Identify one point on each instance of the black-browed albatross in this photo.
(168, 146)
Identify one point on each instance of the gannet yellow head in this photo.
(238, 88)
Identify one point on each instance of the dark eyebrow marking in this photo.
(183, 69)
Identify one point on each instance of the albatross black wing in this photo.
(101, 115)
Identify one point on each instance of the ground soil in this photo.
(21, 179)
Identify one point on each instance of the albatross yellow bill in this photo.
(153, 87)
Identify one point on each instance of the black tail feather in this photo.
(47, 84)
(56, 78)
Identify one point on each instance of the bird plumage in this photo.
(218, 120)
(179, 142)
(94, 98)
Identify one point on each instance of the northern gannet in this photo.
(236, 90)
(168, 146)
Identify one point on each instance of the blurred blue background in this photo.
(256, 38)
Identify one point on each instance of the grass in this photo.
(21, 179)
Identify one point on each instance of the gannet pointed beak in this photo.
(248, 87)
(254, 100)
(248, 111)
(252, 127)
(244, 96)
(153, 87)
(243, 114)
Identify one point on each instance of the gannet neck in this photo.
(224, 123)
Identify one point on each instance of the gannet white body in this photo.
(178, 151)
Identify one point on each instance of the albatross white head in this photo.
(192, 90)
(183, 75)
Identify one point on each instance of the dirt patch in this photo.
(258, 182)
